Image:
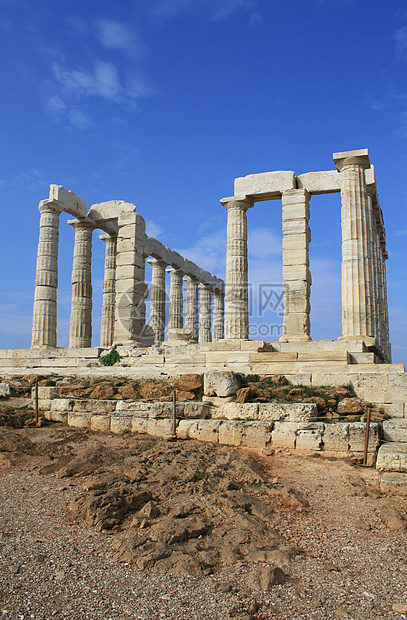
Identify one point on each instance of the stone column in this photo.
(296, 274)
(218, 314)
(176, 313)
(131, 289)
(357, 295)
(157, 299)
(191, 314)
(109, 292)
(80, 332)
(236, 296)
(44, 331)
(205, 313)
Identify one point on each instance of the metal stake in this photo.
(36, 403)
(366, 437)
(174, 414)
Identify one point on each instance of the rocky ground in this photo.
(99, 526)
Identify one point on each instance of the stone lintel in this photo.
(265, 185)
(360, 156)
(68, 200)
(327, 182)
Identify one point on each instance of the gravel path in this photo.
(350, 564)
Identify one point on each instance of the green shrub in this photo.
(111, 358)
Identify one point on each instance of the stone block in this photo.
(256, 435)
(138, 425)
(68, 201)
(187, 429)
(44, 392)
(393, 483)
(238, 411)
(284, 434)
(57, 416)
(397, 379)
(357, 431)
(158, 428)
(395, 409)
(230, 433)
(94, 406)
(62, 404)
(205, 430)
(79, 420)
(294, 227)
(392, 457)
(120, 424)
(196, 410)
(218, 383)
(310, 438)
(336, 437)
(325, 182)
(138, 408)
(395, 430)
(100, 423)
(291, 412)
(45, 404)
(295, 272)
(295, 241)
(266, 185)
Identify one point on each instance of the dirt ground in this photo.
(102, 526)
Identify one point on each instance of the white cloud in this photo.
(115, 35)
(103, 81)
(56, 105)
(79, 119)
(153, 230)
(209, 253)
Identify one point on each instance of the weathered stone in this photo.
(393, 483)
(245, 394)
(292, 412)
(79, 420)
(4, 390)
(237, 411)
(62, 404)
(350, 406)
(357, 432)
(100, 423)
(189, 383)
(395, 430)
(392, 457)
(217, 383)
(336, 437)
(310, 438)
(264, 579)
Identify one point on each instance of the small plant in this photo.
(349, 386)
(198, 475)
(111, 358)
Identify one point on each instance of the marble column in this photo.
(218, 314)
(131, 289)
(357, 294)
(157, 299)
(205, 313)
(44, 331)
(191, 314)
(237, 294)
(296, 273)
(176, 313)
(80, 332)
(109, 292)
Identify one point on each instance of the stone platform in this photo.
(317, 363)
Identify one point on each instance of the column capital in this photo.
(49, 206)
(240, 202)
(108, 238)
(157, 261)
(348, 158)
(84, 224)
(174, 271)
(204, 286)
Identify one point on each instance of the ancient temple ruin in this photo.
(364, 295)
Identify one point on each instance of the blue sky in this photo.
(164, 102)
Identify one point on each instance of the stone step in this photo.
(392, 457)
(395, 430)
(393, 483)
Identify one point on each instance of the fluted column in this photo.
(191, 313)
(80, 333)
(109, 292)
(176, 316)
(44, 331)
(205, 313)
(236, 297)
(218, 314)
(296, 273)
(157, 299)
(357, 294)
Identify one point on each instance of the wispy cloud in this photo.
(115, 35)
(400, 38)
(103, 81)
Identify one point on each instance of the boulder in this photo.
(350, 406)
(5, 390)
(189, 383)
(218, 383)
